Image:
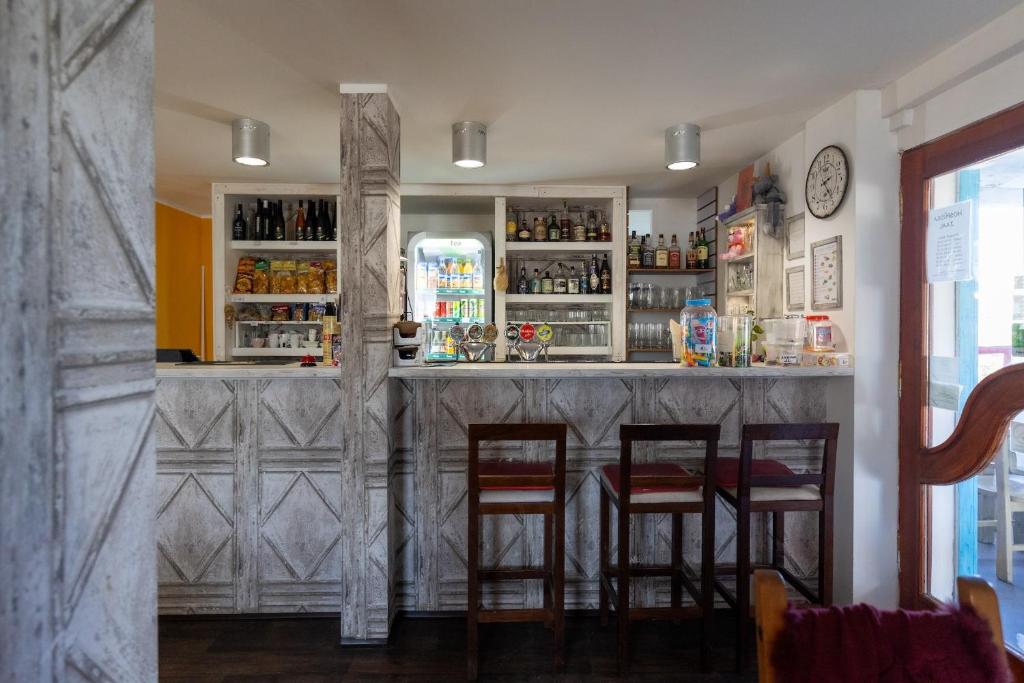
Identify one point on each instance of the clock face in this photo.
(827, 179)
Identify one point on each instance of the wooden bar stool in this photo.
(656, 488)
(517, 488)
(770, 486)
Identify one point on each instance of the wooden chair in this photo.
(770, 486)
(517, 488)
(770, 601)
(658, 488)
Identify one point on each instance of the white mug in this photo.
(293, 340)
(274, 340)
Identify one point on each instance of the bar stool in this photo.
(763, 485)
(516, 488)
(657, 488)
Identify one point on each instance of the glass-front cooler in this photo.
(449, 282)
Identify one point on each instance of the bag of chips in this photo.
(261, 277)
(282, 280)
(315, 277)
(281, 312)
(316, 312)
(299, 313)
(302, 278)
(330, 276)
(244, 276)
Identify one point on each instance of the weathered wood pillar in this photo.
(368, 228)
(77, 462)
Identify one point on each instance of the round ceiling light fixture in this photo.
(682, 146)
(250, 142)
(469, 144)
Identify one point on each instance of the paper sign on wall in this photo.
(950, 248)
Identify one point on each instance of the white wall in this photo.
(671, 216)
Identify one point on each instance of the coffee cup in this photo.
(274, 340)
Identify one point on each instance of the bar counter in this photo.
(603, 370)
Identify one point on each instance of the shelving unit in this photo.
(226, 253)
(764, 258)
(534, 200)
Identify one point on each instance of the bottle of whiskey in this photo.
(674, 255)
(634, 251)
(604, 231)
(702, 250)
(554, 231)
(510, 228)
(535, 282)
(560, 284)
(661, 253)
(595, 276)
(606, 276)
(691, 253)
(524, 231)
(591, 227)
(540, 231)
(565, 226)
(547, 285)
(573, 285)
(523, 285)
(647, 252)
(579, 229)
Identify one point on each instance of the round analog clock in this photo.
(827, 179)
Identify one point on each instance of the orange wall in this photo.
(183, 247)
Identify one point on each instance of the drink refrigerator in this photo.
(449, 282)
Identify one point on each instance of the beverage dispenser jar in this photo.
(784, 340)
(699, 324)
(734, 333)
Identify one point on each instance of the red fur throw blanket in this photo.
(861, 644)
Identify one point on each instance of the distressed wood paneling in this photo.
(593, 409)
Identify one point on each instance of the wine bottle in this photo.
(312, 222)
(238, 228)
(300, 223)
(279, 231)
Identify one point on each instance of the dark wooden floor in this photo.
(306, 650)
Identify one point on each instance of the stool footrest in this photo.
(512, 573)
(497, 616)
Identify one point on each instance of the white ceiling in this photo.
(572, 90)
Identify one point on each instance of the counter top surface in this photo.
(288, 370)
(597, 370)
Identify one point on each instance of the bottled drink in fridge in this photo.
(478, 276)
(238, 228)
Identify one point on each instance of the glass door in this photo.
(962, 368)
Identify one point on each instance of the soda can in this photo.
(456, 310)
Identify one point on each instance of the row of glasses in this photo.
(649, 336)
(580, 335)
(742, 277)
(647, 296)
(558, 315)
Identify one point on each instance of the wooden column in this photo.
(368, 229)
(78, 575)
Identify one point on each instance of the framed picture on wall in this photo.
(795, 297)
(795, 237)
(827, 274)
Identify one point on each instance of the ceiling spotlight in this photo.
(469, 144)
(682, 146)
(250, 142)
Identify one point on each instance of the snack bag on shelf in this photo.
(299, 313)
(330, 276)
(302, 278)
(282, 280)
(316, 312)
(261, 277)
(281, 312)
(315, 277)
(244, 276)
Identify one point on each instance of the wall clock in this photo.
(827, 179)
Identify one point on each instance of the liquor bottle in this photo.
(330, 224)
(702, 250)
(606, 276)
(661, 253)
(524, 232)
(279, 232)
(591, 227)
(573, 285)
(565, 226)
(478, 276)
(547, 285)
(510, 228)
(540, 231)
(323, 221)
(604, 232)
(523, 285)
(535, 282)
(584, 279)
(579, 229)
(634, 251)
(560, 285)
(595, 276)
(300, 223)
(691, 253)
(257, 223)
(647, 252)
(238, 228)
(674, 254)
(312, 222)
(554, 232)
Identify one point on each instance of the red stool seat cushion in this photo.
(654, 494)
(727, 472)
